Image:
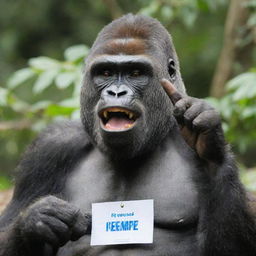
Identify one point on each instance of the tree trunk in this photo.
(236, 18)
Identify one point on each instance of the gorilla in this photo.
(140, 137)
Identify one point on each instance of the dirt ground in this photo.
(5, 197)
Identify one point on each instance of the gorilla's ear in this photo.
(172, 69)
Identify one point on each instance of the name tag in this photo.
(124, 222)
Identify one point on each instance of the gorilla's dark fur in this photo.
(140, 137)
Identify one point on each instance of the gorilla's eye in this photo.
(106, 73)
(135, 73)
(171, 68)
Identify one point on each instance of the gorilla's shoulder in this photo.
(65, 132)
(61, 138)
(49, 159)
(58, 147)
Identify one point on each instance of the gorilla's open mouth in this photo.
(117, 119)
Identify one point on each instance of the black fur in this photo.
(175, 153)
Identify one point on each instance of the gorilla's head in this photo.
(124, 108)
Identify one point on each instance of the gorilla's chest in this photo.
(167, 177)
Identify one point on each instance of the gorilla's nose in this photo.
(118, 91)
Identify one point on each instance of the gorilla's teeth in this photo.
(108, 111)
(116, 110)
(107, 126)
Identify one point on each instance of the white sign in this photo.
(124, 222)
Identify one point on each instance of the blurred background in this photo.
(43, 45)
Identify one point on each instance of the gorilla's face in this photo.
(123, 107)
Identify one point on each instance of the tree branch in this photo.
(236, 18)
(15, 125)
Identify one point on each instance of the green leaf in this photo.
(71, 102)
(40, 105)
(43, 63)
(241, 92)
(250, 4)
(213, 101)
(78, 84)
(18, 105)
(3, 96)
(240, 80)
(20, 77)
(167, 12)
(5, 183)
(44, 81)
(76, 52)
(63, 80)
(225, 127)
(252, 20)
(226, 108)
(212, 4)
(150, 9)
(249, 111)
(203, 5)
(189, 16)
(57, 110)
(249, 179)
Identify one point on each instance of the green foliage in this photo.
(76, 53)
(43, 73)
(3, 97)
(5, 183)
(20, 77)
(23, 105)
(185, 10)
(238, 110)
(249, 179)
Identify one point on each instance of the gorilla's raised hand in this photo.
(51, 221)
(200, 124)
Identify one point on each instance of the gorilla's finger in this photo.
(171, 91)
(193, 111)
(206, 120)
(59, 228)
(80, 228)
(59, 209)
(46, 234)
(181, 106)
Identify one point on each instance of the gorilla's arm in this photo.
(226, 225)
(35, 216)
